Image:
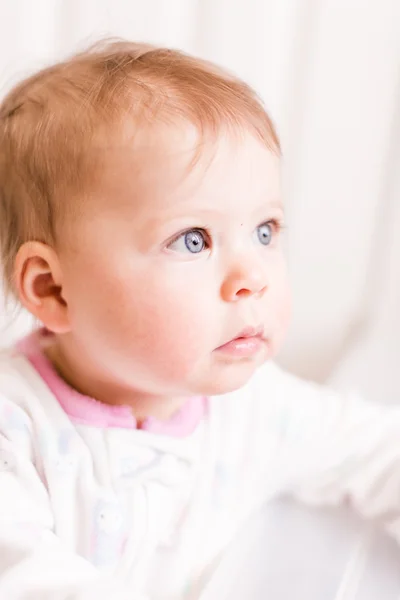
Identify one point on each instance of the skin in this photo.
(137, 318)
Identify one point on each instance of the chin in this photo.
(231, 379)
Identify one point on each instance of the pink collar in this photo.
(88, 411)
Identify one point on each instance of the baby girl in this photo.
(144, 421)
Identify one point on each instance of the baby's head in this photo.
(140, 209)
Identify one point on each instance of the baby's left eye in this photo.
(265, 233)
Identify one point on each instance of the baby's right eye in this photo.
(192, 241)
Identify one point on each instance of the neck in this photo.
(90, 381)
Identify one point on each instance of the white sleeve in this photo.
(34, 565)
(336, 448)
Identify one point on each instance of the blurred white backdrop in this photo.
(329, 72)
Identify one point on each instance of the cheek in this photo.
(174, 331)
(151, 319)
(167, 321)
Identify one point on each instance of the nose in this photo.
(246, 278)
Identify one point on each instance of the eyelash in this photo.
(277, 224)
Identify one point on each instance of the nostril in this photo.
(244, 293)
(243, 283)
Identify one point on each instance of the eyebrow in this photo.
(208, 213)
(276, 204)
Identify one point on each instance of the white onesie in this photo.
(93, 508)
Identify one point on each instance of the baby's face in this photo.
(169, 262)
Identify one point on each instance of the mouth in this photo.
(246, 344)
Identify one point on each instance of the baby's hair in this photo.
(50, 122)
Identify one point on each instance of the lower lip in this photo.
(242, 347)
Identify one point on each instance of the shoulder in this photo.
(19, 382)
(27, 406)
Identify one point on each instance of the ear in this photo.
(38, 280)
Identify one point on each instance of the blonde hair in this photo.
(48, 124)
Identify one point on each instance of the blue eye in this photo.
(265, 233)
(193, 241)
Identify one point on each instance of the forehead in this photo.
(176, 171)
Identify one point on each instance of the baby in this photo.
(143, 423)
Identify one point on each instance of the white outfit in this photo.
(98, 513)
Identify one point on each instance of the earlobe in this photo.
(38, 280)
